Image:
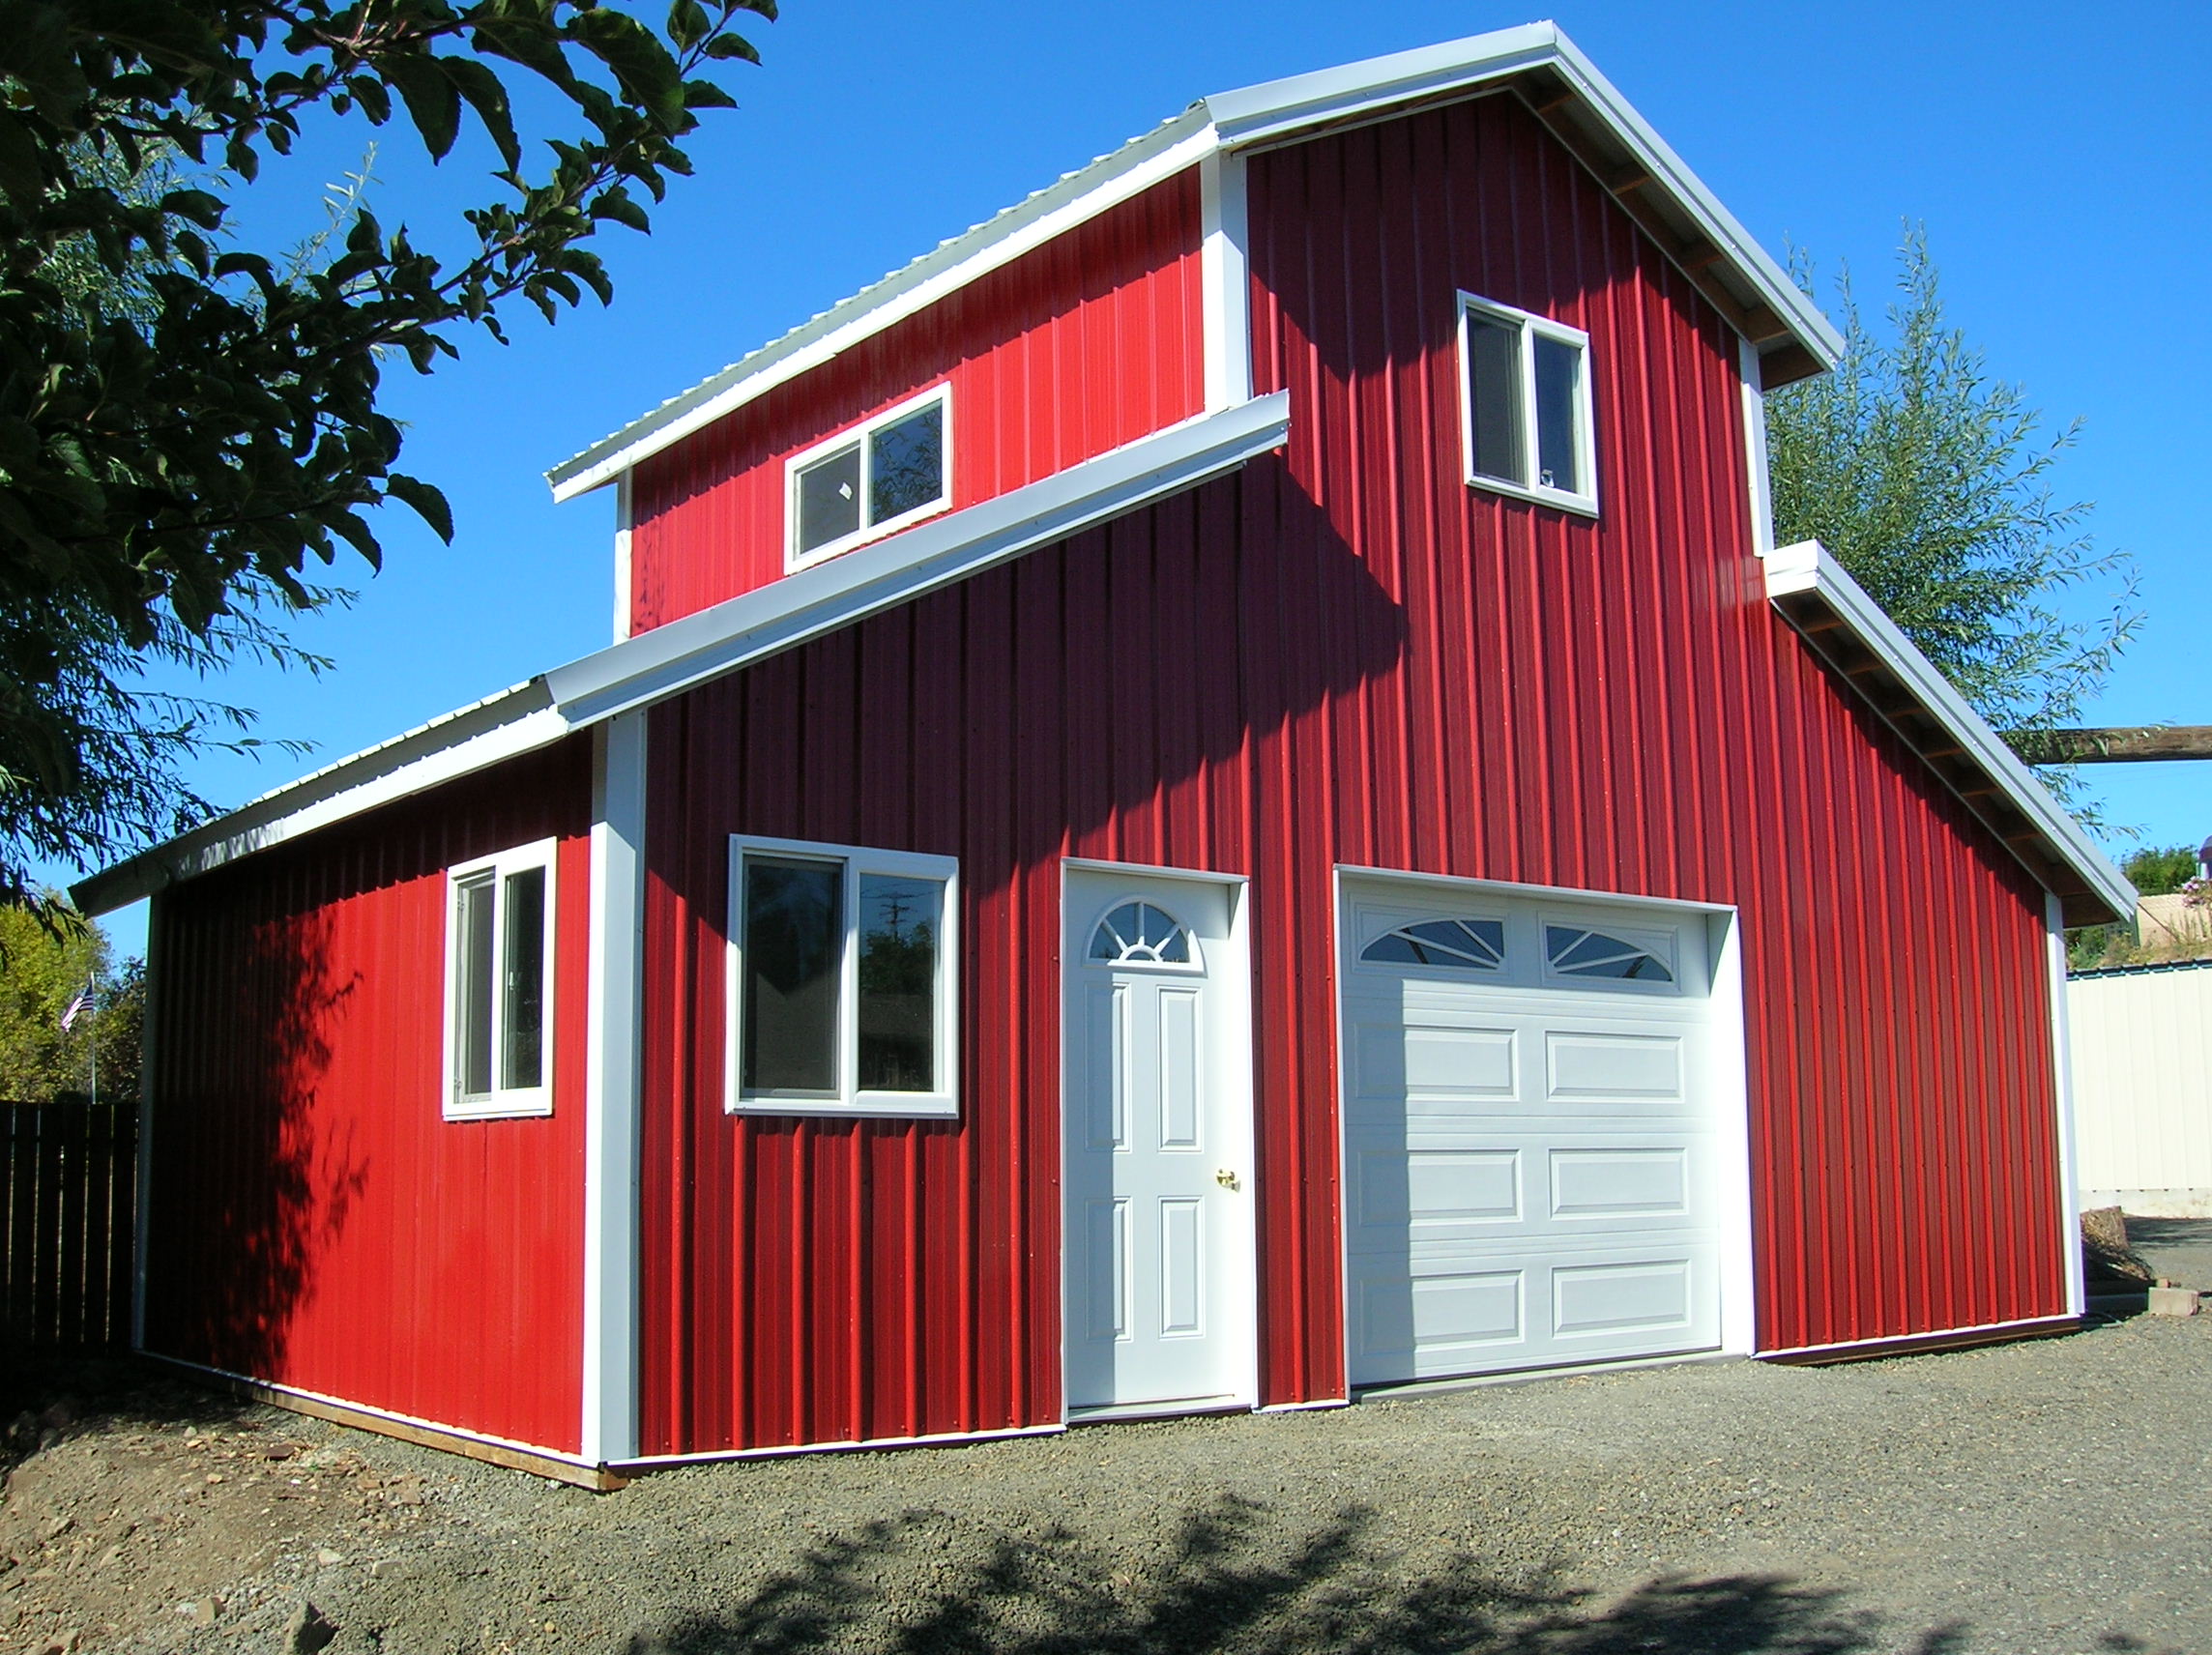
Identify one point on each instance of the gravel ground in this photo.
(2042, 1497)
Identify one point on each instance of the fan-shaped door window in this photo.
(1576, 952)
(1140, 933)
(1459, 944)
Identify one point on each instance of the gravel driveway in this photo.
(2043, 1496)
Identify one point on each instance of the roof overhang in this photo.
(1535, 60)
(1846, 630)
(670, 659)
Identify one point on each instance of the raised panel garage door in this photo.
(1530, 1142)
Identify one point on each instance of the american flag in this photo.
(76, 1006)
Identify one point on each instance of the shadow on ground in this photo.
(1230, 1583)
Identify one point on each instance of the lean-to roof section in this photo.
(1847, 629)
(1536, 62)
(732, 635)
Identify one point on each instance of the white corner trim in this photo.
(624, 519)
(2062, 1065)
(1759, 476)
(1225, 279)
(516, 721)
(839, 591)
(1074, 199)
(1807, 567)
(613, 1096)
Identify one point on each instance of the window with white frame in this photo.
(890, 471)
(1525, 385)
(842, 981)
(499, 984)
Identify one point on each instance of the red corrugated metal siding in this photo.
(1343, 656)
(315, 1222)
(1078, 347)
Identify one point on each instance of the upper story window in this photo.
(499, 984)
(1526, 403)
(842, 976)
(893, 471)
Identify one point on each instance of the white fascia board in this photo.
(1277, 110)
(669, 659)
(1168, 149)
(1807, 568)
(516, 721)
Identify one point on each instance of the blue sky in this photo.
(2058, 164)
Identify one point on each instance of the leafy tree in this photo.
(42, 969)
(1931, 482)
(188, 427)
(2160, 870)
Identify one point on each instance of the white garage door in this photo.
(1530, 1141)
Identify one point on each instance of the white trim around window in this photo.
(841, 995)
(1537, 417)
(855, 481)
(498, 1051)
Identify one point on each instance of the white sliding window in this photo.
(894, 470)
(842, 983)
(499, 985)
(1524, 402)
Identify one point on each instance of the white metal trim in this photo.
(950, 548)
(1277, 110)
(669, 659)
(1080, 196)
(1758, 475)
(861, 1445)
(853, 861)
(625, 513)
(1271, 112)
(2062, 1069)
(1807, 568)
(502, 1102)
(1239, 1110)
(1730, 1076)
(613, 1094)
(1225, 279)
(859, 435)
(459, 1432)
(503, 726)
(1906, 1341)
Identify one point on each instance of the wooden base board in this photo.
(1914, 1344)
(597, 1478)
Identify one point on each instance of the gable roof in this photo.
(1536, 62)
(669, 659)
(1849, 630)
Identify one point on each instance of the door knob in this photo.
(1226, 1177)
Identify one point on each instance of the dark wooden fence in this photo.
(66, 1214)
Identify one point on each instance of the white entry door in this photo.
(1532, 1144)
(1159, 1294)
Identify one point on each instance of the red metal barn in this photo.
(1211, 796)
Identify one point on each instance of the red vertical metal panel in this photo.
(314, 1221)
(1345, 655)
(1079, 346)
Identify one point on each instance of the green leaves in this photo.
(188, 422)
(1931, 482)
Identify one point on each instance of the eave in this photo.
(1535, 62)
(668, 660)
(1849, 631)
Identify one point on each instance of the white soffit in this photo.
(1848, 630)
(1272, 112)
(670, 659)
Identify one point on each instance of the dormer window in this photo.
(893, 471)
(1524, 398)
